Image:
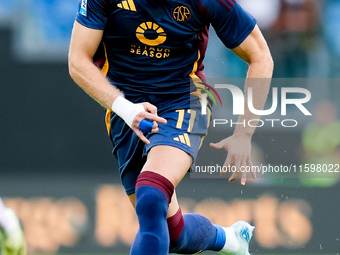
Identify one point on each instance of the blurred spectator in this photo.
(291, 28)
(293, 37)
(321, 145)
(266, 13)
(297, 16)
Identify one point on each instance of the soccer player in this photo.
(12, 239)
(153, 70)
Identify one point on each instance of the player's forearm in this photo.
(92, 81)
(258, 78)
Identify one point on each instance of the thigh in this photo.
(173, 149)
(168, 161)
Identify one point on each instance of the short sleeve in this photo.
(92, 14)
(231, 22)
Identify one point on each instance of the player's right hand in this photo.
(149, 113)
(133, 114)
(12, 242)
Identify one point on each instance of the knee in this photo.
(150, 202)
(153, 194)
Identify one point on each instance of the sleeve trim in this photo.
(243, 36)
(89, 24)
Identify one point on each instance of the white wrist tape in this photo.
(126, 109)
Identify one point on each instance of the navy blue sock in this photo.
(192, 233)
(153, 193)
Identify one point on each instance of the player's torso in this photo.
(155, 42)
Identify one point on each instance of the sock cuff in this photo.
(220, 238)
(155, 180)
(175, 225)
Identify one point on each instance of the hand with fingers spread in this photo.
(239, 149)
(133, 114)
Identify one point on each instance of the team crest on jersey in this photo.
(83, 8)
(181, 13)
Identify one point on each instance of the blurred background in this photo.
(56, 167)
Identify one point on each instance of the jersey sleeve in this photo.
(92, 14)
(231, 22)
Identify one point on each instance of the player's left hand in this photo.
(239, 149)
(13, 242)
